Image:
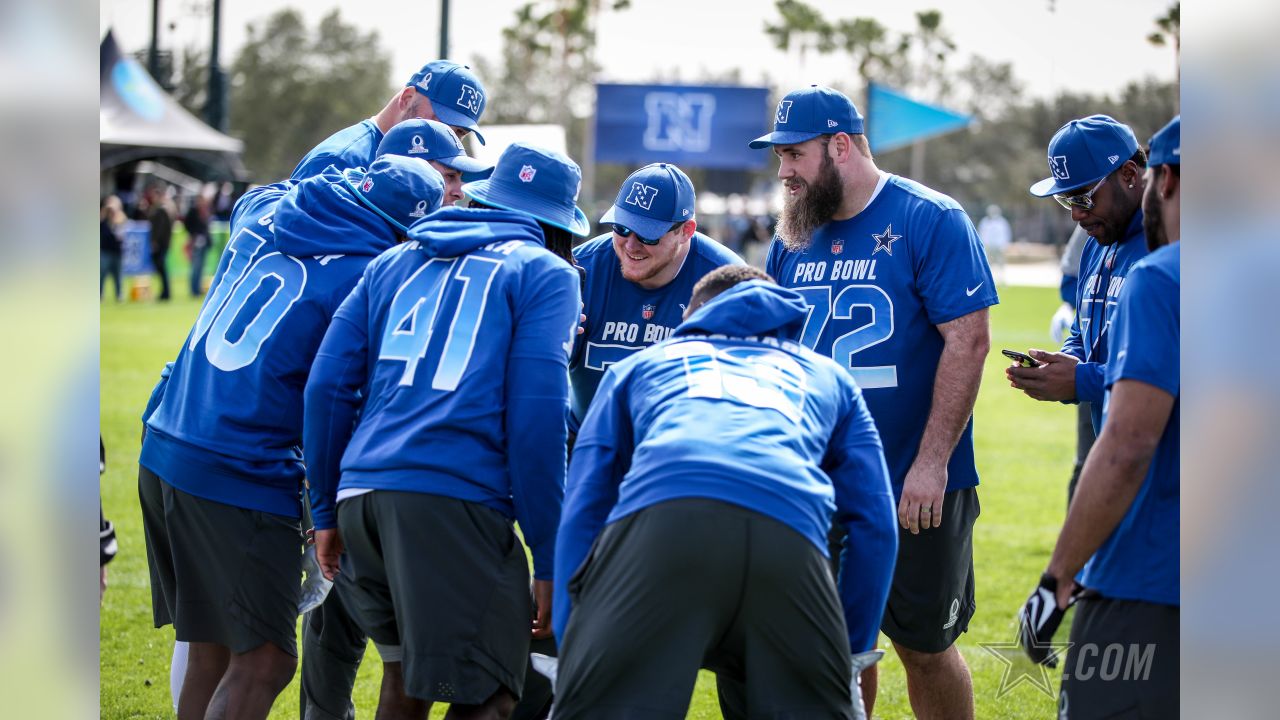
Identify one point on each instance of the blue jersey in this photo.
(453, 350)
(879, 284)
(623, 317)
(352, 147)
(1139, 561)
(1102, 278)
(733, 409)
(229, 425)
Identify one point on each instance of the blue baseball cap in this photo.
(432, 140)
(456, 95)
(539, 182)
(399, 189)
(651, 199)
(806, 113)
(1084, 151)
(1166, 144)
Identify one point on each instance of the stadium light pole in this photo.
(153, 52)
(215, 107)
(444, 29)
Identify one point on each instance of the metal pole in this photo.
(215, 108)
(153, 52)
(444, 29)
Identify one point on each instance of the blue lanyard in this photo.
(1108, 264)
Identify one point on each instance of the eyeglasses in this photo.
(1084, 201)
(626, 232)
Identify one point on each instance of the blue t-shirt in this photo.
(228, 425)
(879, 283)
(733, 409)
(453, 350)
(1102, 278)
(622, 317)
(1139, 561)
(351, 147)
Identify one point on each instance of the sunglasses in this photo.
(626, 232)
(1084, 201)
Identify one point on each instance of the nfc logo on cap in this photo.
(678, 121)
(526, 173)
(471, 99)
(641, 195)
(420, 210)
(417, 145)
(1058, 166)
(784, 111)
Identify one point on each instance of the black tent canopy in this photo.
(139, 121)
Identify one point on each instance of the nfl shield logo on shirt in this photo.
(837, 246)
(647, 311)
(367, 186)
(526, 173)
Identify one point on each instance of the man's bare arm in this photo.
(967, 340)
(1111, 477)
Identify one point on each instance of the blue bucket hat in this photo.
(651, 199)
(432, 140)
(1083, 152)
(399, 189)
(1166, 144)
(806, 113)
(538, 182)
(456, 95)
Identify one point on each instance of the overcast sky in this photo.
(1097, 45)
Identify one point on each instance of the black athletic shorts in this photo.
(1123, 661)
(446, 580)
(697, 583)
(931, 599)
(219, 573)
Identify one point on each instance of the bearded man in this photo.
(899, 287)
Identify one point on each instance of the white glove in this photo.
(1060, 325)
(862, 661)
(315, 587)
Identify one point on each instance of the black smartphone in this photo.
(1023, 359)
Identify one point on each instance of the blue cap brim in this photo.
(782, 137)
(346, 179)
(471, 168)
(453, 118)
(531, 204)
(649, 228)
(1050, 186)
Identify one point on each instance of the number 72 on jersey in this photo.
(822, 309)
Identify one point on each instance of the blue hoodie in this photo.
(452, 351)
(732, 408)
(229, 426)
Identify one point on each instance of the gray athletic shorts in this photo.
(1123, 661)
(931, 599)
(701, 583)
(447, 581)
(221, 574)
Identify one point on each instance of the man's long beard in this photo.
(804, 213)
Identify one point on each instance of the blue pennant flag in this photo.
(896, 120)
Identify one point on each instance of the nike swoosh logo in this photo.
(970, 293)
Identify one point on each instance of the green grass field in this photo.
(1024, 451)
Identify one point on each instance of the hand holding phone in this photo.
(1022, 359)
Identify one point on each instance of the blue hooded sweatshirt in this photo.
(452, 351)
(733, 408)
(229, 425)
